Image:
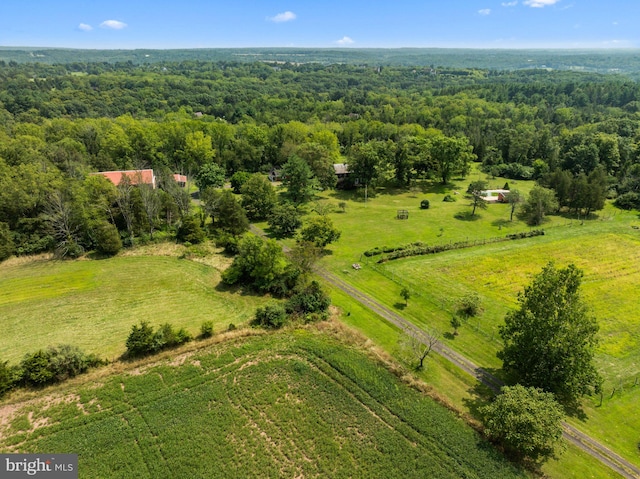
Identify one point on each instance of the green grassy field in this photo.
(453, 386)
(293, 404)
(606, 248)
(93, 304)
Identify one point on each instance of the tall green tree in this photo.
(476, 190)
(231, 217)
(259, 263)
(258, 197)
(297, 178)
(541, 202)
(210, 175)
(321, 160)
(550, 340)
(514, 198)
(451, 156)
(284, 220)
(526, 421)
(320, 231)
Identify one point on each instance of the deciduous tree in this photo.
(541, 202)
(526, 421)
(550, 340)
(258, 197)
(320, 231)
(451, 156)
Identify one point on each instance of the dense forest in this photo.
(577, 133)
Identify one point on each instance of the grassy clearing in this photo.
(93, 303)
(296, 404)
(606, 248)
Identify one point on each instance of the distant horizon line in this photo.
(339, 48)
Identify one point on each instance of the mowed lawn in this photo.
(293, 404)
(93, 303)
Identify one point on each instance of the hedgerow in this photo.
(419, 248)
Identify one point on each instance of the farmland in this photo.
(605, 248)
(299, 403)
(93, 304)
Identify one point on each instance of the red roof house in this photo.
(136, 177)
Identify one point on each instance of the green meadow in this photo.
(93, 304)
(292, 404)
(606, 247)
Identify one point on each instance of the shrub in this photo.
(55, 364)
(206, 329)
(311, 299)
(272, 316)
(449, 199)
(167, 337)
(229, 243)
(107, 239)
(469, 306)
(36, 370)
(7, 381)
(142, 340)
(190, 231)
(628, 201)
(231, 327)
(424, 205)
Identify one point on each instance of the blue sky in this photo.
(329, 23)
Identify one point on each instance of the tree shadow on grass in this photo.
(501, 223)
(480, 395)
(574, 409)
(466, 216)
(242, 290)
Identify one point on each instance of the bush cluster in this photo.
(46, 366)
(419, 248)
(308, 302)
(628, 201)
(525, 234)
(143, 340)
(390, 249)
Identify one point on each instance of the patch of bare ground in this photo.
(9, 412)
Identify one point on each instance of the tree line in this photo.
(576, 134)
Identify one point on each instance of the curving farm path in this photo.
(571, 434)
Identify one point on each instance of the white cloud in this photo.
(540, 3)
(113, 24)
(484, 11)
(85, 27)
(509, 4)
(283, 17)
(345, 41)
